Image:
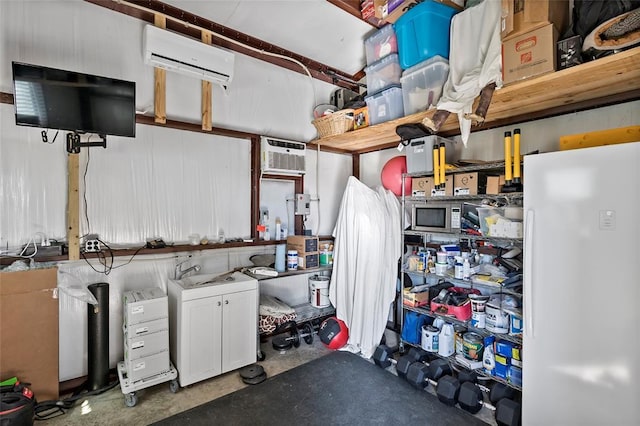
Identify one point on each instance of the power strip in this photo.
(92, 244)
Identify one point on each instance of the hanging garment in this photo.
(474, 60)
(365, 257)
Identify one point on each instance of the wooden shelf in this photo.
(609, 80)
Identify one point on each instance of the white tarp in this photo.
(474, 59)
(365, 262)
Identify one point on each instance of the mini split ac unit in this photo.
(282, 157)
(174, 52)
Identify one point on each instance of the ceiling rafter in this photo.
(192, 25)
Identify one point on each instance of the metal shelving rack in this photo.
(509, 197)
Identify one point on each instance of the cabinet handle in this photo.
(226, 302)
(528, 273)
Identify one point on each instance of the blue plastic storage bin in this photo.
(423, 32)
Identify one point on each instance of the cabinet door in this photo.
(239, 329)
(201, 336)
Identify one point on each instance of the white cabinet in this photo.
(213, 325)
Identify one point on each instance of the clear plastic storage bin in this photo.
(383, 73)
(385, 105)
(380, 44)
(422, 84)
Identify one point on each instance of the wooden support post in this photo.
(160, 85)
(73, 206)
(206, 93)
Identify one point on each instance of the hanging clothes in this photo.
(366, 251)
(474, 60)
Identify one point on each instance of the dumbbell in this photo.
(420, 375)
(293, 339)
(507, 411)
(383, 358)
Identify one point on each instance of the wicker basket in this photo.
(334, 124)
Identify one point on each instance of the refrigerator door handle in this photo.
(528, 272)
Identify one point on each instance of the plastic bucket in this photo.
(319, 291)
(430, 338)
(478, 314)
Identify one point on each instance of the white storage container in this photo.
(420, 153)
(380, 44)
(385, 105)
(144, 305)
(383, 73)
(422, 84)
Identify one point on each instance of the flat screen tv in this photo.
(56, 99)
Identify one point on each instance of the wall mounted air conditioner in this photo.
(174, 52)
(282, 157)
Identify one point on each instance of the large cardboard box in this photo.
(529, 55)
(494, 184)
(522, 16)
(29, 330)
(302, 243)
(424, 187)
(469, 183)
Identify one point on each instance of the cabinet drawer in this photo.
(141, 346)
(148, 366)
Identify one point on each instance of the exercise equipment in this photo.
(253, 374)
(507, 411)
(383, 358)
(333, 333)
(293, 339)
(419, 374)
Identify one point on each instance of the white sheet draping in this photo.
(366, 252)
(474, 60)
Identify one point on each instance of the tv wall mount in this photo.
(74, 144)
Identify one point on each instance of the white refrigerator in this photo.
(581, 346)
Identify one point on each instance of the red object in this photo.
(462, 312)
(333, 333)
(391, 175)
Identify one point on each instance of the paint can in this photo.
(478, 314)
(459, 332)
(446, 344)
(292, 260)
(319, 291)
(497, 319)
(472, 346)
(430, 338)
(441, 268)
(441, 257)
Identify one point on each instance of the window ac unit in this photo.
(282, 157)
(174, 52)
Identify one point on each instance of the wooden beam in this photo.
(206, 93)
(355, 165)
(160, 82)
(255, 187)
(73, 206)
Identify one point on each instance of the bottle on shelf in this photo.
(466, 270)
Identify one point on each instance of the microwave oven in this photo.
(436, 216)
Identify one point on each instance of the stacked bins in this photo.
(146, 333)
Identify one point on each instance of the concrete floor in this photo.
(157, 402)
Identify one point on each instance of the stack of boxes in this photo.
(529, 32)
(508, 362)
(146, 333)
(307, 248)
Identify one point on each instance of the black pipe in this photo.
(98, 338)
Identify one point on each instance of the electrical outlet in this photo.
(92, 244)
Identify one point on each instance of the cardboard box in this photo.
(302, 243)
(530, 54)
(415, 299)
(469, 183)
(384, 7)
(308, 260)
(424, 187)
(569, 52)
(29, 330)
(406, 4)
(494, 184)
(522, 16)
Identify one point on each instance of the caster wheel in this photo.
(261, 356)
(130, 399)
(174, 386)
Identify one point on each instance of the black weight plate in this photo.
(280, 343)
(307, 330)
(251, 371)
(294, 337)
(256, 380)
